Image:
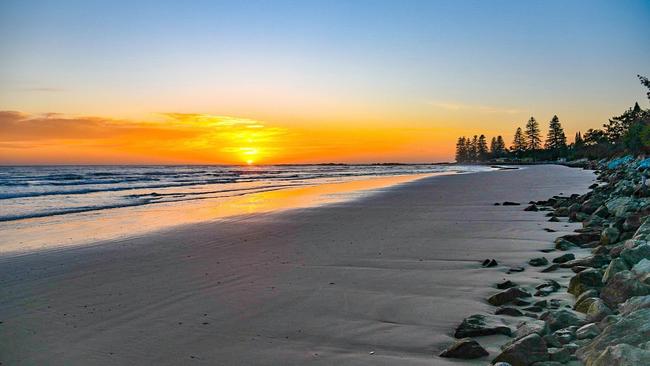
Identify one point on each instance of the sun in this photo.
(250, 162)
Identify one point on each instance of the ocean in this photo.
(41, 191)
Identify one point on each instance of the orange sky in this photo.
(198, 138)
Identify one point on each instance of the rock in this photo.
(465, 348)
(505, 284)
(561, 355)
(502, 364)
(489, 263)
(578, 269)
(554, 219)
(633, 304)
(632, 256)
(562, 318)
(622, 355)
(632, 222)
(497, 204)
(642, 269)
(531, 327)
(524, 352)
(532, 207)
(581, 238)
(510, 311)
(643, 232)
(480, 325)
(551, 268)
(587, 331)
(589, 294)
(621, 287)
(597, 310)
(588, 279)
(515, 269)
(584, 305)
(534, 309)
(595, 261)
(537, 262)
(619, 205)
(510, 203)
(564, 258)
(609, 235)
(633, 329)
(615, 266)
(507, 296)
(552, 341)
(549, 230)
(549, 283)
(565, 336)
(562, 244)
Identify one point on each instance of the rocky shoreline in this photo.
(608, 322)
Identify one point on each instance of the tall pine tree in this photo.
(533, 136)
(482, 148)
(556, 139)
(519, 141)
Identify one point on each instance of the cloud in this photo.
(182, 136)
(42, 89)
(453, 106)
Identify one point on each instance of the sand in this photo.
(379, 280)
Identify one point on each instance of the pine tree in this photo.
(482, 148)
(501, 146)
(533, 137)
(461, 150)
(519, 142)
(578, 139)
(556, 139)
(473, 149)
(493, 147)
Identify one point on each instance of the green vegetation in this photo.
(627, 133)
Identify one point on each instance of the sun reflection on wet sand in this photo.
(91, 227)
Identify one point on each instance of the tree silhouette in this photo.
(519, 141)
(533, 136)
(556, 139)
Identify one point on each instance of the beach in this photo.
(381, 279)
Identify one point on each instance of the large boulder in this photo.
(621, 287)
(633, 304)
(524, 352)
(465, 348)
(632, 256)
(531, 327)
(622, 355)
(581, 239)
(562, 318)
(507, 296)
(619, 205)
(633, 330)
(588, 279)
(597, 310)
(609, 235)
(615, 266)
(643, 232)
(481, 325)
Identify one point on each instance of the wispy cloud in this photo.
(42, 89)
(455, 106)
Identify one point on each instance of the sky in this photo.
(264, 82)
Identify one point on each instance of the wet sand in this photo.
(379, 280)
